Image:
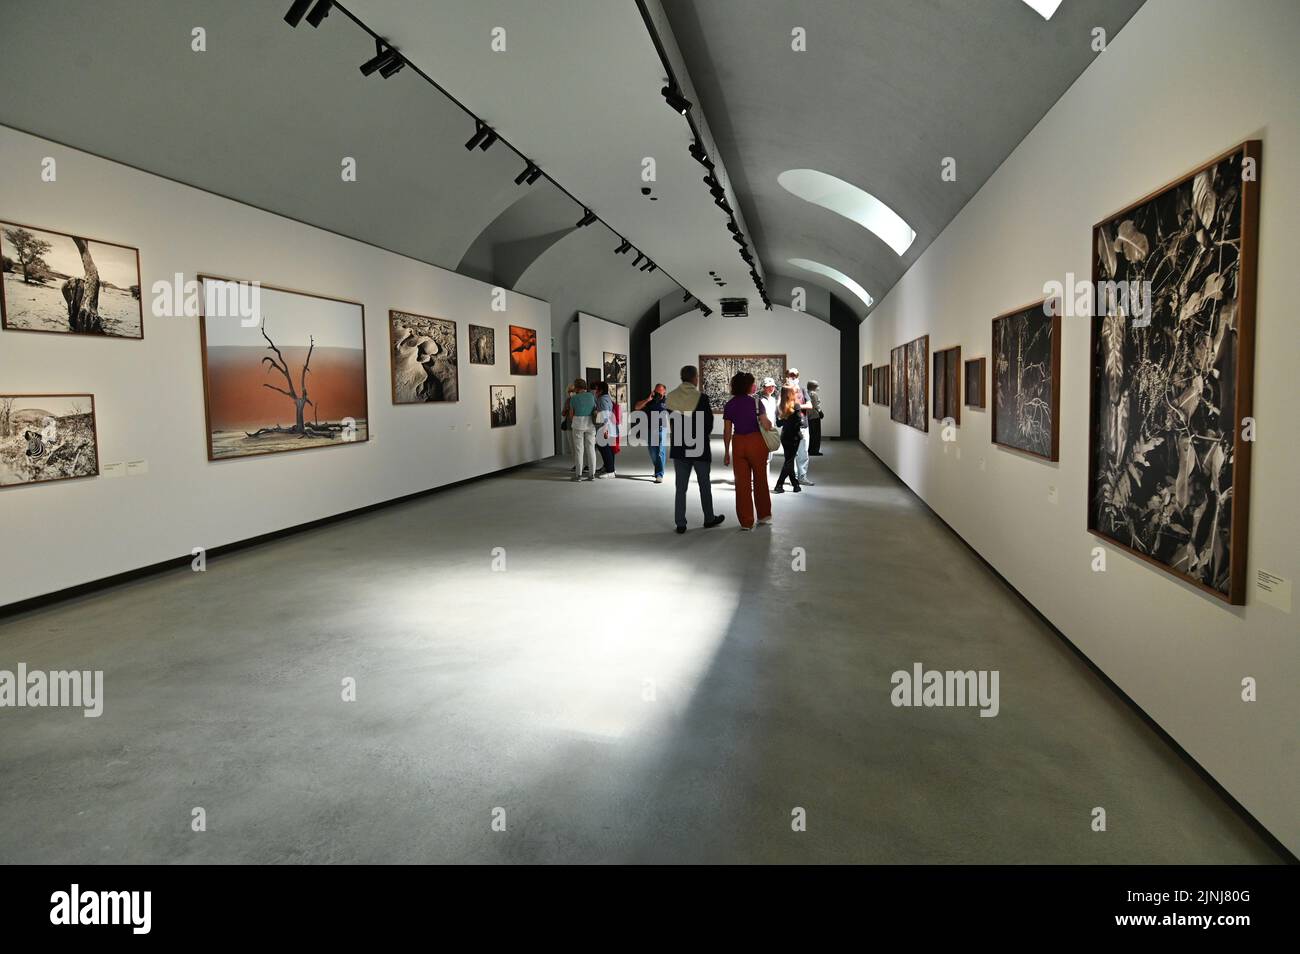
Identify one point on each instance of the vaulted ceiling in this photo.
(266, 113)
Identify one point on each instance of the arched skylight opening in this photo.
(834, 274)
(852, 203)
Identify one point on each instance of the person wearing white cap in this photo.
(767, 397)
(805, 408)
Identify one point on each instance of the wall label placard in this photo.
(1273, 590)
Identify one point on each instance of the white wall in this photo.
(1183, 81)
(595, 337)
(809, 344)
(149, 394)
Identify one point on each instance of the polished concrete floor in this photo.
(615, 693)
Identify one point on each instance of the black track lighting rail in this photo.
(389, 60)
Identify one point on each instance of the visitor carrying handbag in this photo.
(771, 438)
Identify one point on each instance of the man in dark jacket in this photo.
(692, 421)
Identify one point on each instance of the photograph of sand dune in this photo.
(291, 377)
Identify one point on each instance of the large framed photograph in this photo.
(866, 385)
(717, 370)
(1027, 379)
(947, 384)
(911, 383)
(523, 350)
(1172, 373)
(47, 437)
(69, 284)
(422, 352)
(501, 405)
(291, 377)
(482, 345)
(880, 386)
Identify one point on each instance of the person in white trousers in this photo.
(767, 397)
(805, 408)
(578, 409)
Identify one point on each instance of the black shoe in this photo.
(816, 454)
(715, 521)
(681, 529)
(781, 490)
(799, 487)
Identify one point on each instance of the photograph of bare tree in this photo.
(975, 382)
(501, 405)
(423, 354)
(717, 370)
(910, 372)
(898, 384)
(1027, 379)
(291, 379)
(45, 437)
(947, 384)
(1171, 388)
(67, 284)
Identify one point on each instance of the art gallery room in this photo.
(649, 431)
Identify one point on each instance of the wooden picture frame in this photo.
(476, 354)
(5, 438)
(493, 420)
(399, 373)
(760, 365)
(974, 391)
(866, 385)
(7, 320)
(208, 377)
(946, 384)
(1045, 440)
(1215, 205)
(910, 397)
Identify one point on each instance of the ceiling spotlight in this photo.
(319, 12)
(294, 16)
(623, 249)
(383, 58)
(588, 217)
(721, 203)
(637, 261)
(529, 175)
(700, 156)
(675, 99)
(686, 296)
(391, 68)
(733, 228)
(483, 136)
(649, 267)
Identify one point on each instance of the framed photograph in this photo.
(880, 387)
(717, 370)
(523, 350)
(593, 375)
(47, 437)
(615, 369)
(482, 345)
(910, 364)
(898, 384)
(501, 403)
(947, 384)
(291, 378)
(866, 385)
(69, 284)
(1171, 378)
(422, 355)
(1027, 379)
(975, 382)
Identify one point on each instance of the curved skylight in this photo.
(834, 274)
(851, 202)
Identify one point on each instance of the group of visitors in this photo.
(756, 422)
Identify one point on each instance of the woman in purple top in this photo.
(743, 416)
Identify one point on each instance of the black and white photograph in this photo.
(482, 345)
(615, 368)
(974, 382)
(717, 370)
(880, 386)
(423, 354)
(69, 284)
(1169, 477)
(918, 380)
(1027, 379)
(501, 401)
(898, 384)
(45, 437)
(866, 385)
